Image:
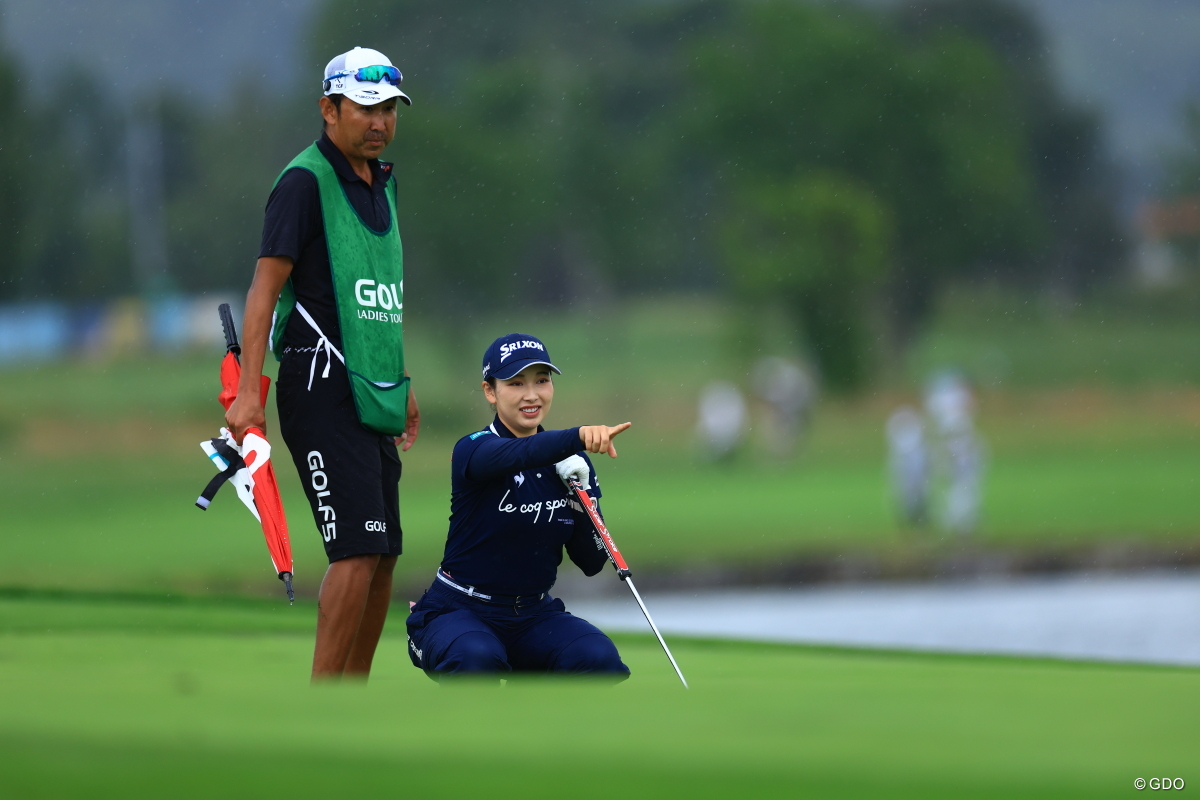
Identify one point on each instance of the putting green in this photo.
(139, 697)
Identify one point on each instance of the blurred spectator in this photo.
(176, 322)
(47, 331)
(722, 420)
(964, 459)
(121, 330)
(33, 331)
(167, 322)
(908, 465)
(959, 453)
(788, 392)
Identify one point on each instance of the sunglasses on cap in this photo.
(373, 74)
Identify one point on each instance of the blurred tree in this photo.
(1174, 219)
(818, 245)
(1076, 195)
(1181, 164)
(74, 241)
(923, 137)
(838, 159)
(522, 170)
(218, 177)
(14, 165)
(558, 145)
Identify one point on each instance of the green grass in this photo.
(125, 522)
(140, 696)
(99, 461)
(111, 508)
(1015, 339)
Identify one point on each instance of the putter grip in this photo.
(231, 340)
(601, 530)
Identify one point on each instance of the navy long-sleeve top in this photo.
(510, 514)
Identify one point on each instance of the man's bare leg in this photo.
(340, 607)
(374, 615)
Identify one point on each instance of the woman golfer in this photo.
(489, 610)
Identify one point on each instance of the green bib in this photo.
(368, 287)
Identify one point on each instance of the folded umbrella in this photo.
(248, 465)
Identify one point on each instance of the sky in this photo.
(204, 47)
(1138, 61)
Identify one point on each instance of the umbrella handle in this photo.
(231, 340)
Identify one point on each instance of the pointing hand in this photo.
(598, 438)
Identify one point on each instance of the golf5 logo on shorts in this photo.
(375, 525)
(320, 483)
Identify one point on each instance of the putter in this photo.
(623, 571)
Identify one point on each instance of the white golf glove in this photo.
(573, 467)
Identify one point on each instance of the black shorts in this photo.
(350, 474)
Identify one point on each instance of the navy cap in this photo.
(512, 353)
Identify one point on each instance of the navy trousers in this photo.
(452, 634)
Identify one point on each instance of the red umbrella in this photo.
(248, 465)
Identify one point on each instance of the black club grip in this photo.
(231, 340)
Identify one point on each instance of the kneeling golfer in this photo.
(489, 609)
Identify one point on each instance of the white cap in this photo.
(339, 78)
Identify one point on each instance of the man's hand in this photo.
(573, 467)
(598, 438)
(412, 424)
(245, 412)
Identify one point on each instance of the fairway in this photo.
(98, 498)
(109, 696)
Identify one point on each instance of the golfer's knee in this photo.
(593, 653)
(474, 652)
(359, 566)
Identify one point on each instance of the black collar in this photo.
(380, 170)
(503, 432)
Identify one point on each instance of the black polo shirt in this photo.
(295, 228)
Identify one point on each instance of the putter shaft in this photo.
(618, 561)
(654, 628)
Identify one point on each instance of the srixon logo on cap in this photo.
(507, 350)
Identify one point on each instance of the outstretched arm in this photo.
(246, 411)
(493, 456)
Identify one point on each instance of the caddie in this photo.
(327, 299)
(489, 610)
